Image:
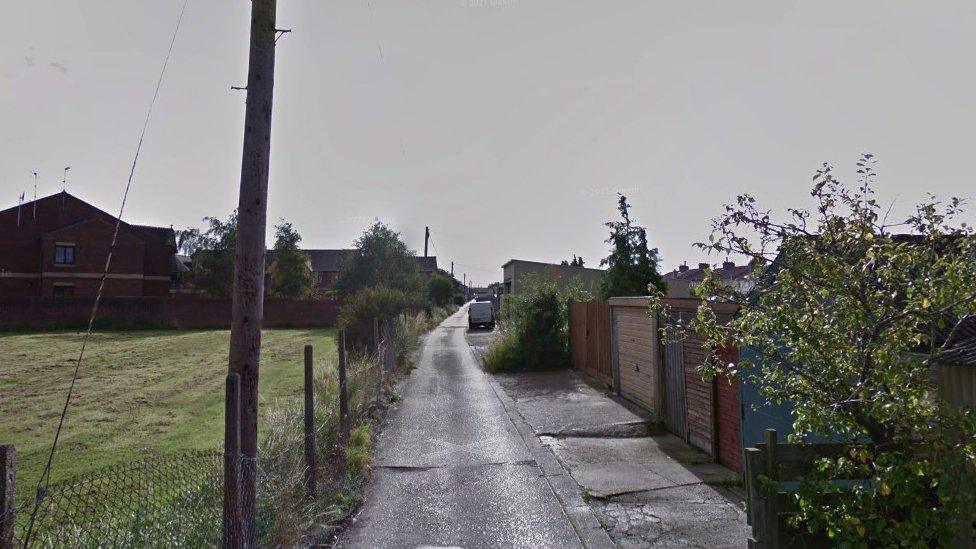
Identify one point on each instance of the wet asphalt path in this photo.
(450, 468)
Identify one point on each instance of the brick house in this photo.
(682, 280)
(326, 264)
(56, 246)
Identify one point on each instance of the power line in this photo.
(46, 475)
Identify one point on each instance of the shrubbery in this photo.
(359, 310)
(535, 329)
(440, 290)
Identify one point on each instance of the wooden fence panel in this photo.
(589, 339)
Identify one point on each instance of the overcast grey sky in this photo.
(506, 125)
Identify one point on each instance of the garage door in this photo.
(636, 336)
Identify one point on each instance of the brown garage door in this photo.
(636, 338)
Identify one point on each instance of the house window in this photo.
(64, 290)
(64, 254)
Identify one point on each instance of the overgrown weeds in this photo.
(535, 329)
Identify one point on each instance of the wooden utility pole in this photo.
(248, 301)
(426, 239)
(232, 463)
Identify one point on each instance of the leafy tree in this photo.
(576, 262)
(440, 290)
(632, 265)
(189, 240)
(291, 276)
(213, 262)
(845, 320)
(380, 259)
(380, 278)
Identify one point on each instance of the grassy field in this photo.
(138, 393)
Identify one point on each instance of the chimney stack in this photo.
(728, 264)
(683, 268)
(703, 266)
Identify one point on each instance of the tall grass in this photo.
(285, 516)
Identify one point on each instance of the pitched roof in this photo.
(166, 234)
(734, 272)
(960, 347)
(326, 260)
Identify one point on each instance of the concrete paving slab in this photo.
(645, 491)
(565, 403)
(610, 466)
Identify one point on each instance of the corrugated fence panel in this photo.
(674, 386)
(698, 395)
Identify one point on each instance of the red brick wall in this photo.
(153, 312)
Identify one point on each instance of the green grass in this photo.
(139, 393)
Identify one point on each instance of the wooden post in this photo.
(754, 502)
(7, 481)
(771, 522)
(380, 350)
(376, 335)
(311, 472)
(249, 267)
(343, 393)
(232, 459)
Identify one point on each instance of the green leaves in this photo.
(844, 320)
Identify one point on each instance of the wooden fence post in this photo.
(389, 356)
(7, 480)
(311, 471)
(771, 526)
(380, 348)
(755, 511)
(232, 534)
(343, 393)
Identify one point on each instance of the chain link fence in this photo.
(171, 500)
(176, 500)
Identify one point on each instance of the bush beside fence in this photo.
(773, 470)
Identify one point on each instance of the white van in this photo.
(481, 313)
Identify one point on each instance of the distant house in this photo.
(326, 264)
(57, 246)
(682, 280)
(518, 273)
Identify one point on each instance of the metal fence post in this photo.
(343, 392)
(232, 533)
(311, 471)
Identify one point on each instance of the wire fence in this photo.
(177, 499)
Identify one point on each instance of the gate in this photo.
(674, 386)
(589, 338)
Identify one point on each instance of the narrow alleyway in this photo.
(454, 468)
